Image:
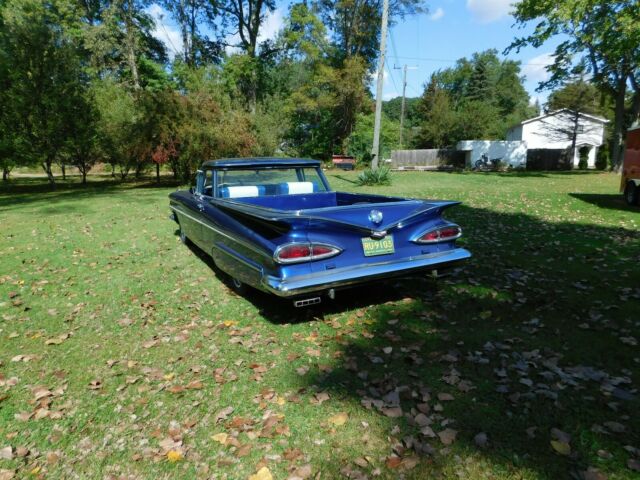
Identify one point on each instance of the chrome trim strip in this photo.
(348, 276)
(245, 244)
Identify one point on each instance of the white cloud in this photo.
(536, 69)
(164, 31)
(273, 23)
(390, 95)
(486, 11)
(437, 15)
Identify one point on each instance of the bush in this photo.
(583, 163)
(380, 176)
(602, 158)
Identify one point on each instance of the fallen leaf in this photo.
(174, 456)
(593, 474)
(6, 474)
(339, 419)
(262, 474)
(562, 448)
(393, 462)
(481, 439)
(6, 453)
(220, 438)
(448, 436)
(615, 427)
(223, 414)
(393, 412)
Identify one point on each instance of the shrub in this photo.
(380, 176)
(583, 163)
(602, 158)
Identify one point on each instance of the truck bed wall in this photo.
(307, 201)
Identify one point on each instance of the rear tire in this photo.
(479, 164)
(631, 194)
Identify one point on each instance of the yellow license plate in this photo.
(372, 247)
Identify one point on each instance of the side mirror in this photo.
(191, 190)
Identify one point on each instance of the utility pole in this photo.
(375, 151)
(404, 91)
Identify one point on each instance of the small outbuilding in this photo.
(559, 130)
(513, 154)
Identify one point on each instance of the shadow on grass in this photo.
(537, 332)
(607, 201)
(26, 191)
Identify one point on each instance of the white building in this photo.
(509, 153)
(555, 130)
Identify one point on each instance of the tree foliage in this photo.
(478, 98)
(599, 37)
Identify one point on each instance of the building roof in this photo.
(556, 112)
(262, 162)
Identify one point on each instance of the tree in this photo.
(119, 40)
(197, 48)
(45, 82)
(355, 25)
(438, 117)
(580, 96)
(602, 38)
(478, 98)
(358, 144)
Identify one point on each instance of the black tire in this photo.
(479, 164)
(631, 194)
(183, 236)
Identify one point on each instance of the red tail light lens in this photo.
(440, 234)
(304, 252)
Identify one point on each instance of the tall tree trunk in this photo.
(83, 171)
(130, 41)
(46, 166)
(5, 173)
(157, 172)
(618, 126)
(64, 171)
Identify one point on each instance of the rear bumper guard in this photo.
(349, 276)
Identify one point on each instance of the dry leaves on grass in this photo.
(339, 419)
(263, 474)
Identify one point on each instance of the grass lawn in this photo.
(124, 355)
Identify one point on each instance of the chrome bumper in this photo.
(345, 277)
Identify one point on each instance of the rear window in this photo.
(268, 181)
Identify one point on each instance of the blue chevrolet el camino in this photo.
(275, 224)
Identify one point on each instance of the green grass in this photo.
(551, 296)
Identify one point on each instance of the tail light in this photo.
(445, 233)
(304, 252)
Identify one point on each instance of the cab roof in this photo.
(260, 162)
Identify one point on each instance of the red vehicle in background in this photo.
(630, 183)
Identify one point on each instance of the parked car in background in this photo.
(630, 183)
(275, 224)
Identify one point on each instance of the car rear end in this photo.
(332, 249)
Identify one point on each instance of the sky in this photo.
(452, 29)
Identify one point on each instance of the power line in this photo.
(448, 60)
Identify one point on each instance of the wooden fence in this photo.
(434, 159)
